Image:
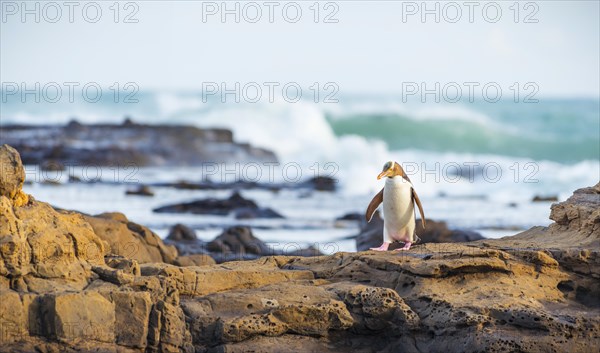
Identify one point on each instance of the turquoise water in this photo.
(558, 130)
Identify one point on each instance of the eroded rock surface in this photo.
(63, 289)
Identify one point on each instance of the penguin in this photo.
(399, 198)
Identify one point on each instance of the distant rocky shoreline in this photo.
(71, 282)
(129, 143)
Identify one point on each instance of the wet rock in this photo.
(371, 234)
(241, 207)
(181, 232)
(351, 217)
(128, 144)
(142, 190)
(321, 183)
(550, 198)
(239, 241)
(52, 166)
(252, 213)
(234, 243)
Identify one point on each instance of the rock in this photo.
(52, 166)
(580, 213)
(130, 239)
(321, 183)
(12, 175)
(132, 315)
(371, 234)
(550, 198)
(351, 217)
(239, 241)
(181, 232)
(252, 213)
(234, 243)
(128, 144)
(142, 190)
(537, 291)
(13, 317)
(194, 260)
(72, 317)
(211, 206)
(241, 207)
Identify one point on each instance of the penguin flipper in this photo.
(418, 202)
(377, 200)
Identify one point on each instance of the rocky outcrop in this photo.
(234, 243)
(371, 234)
(127, 144)
(12, 175)
(61, 290)
(130, 239)
(241, 207)
(320, 183)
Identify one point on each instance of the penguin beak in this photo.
(384, 174)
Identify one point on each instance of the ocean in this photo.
(475, 165)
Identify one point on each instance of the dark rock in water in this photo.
(306, 188)
(234, 243)
(242, 207)
(351, 217)
(550, 198)
(128, 144)
(52, 166)
(74, 179)
(321, 183)
(238, 240)
(438, 232)
(210, 206)
(181, 232)
(142, 190)
(252, 213)
(371, 234)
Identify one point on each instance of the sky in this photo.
(363, 46)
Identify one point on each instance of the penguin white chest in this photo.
(398, 208)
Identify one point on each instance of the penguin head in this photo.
(390, 170)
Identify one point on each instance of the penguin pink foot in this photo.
(405, 247)
(383, 247)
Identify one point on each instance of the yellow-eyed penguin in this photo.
(399, 198)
